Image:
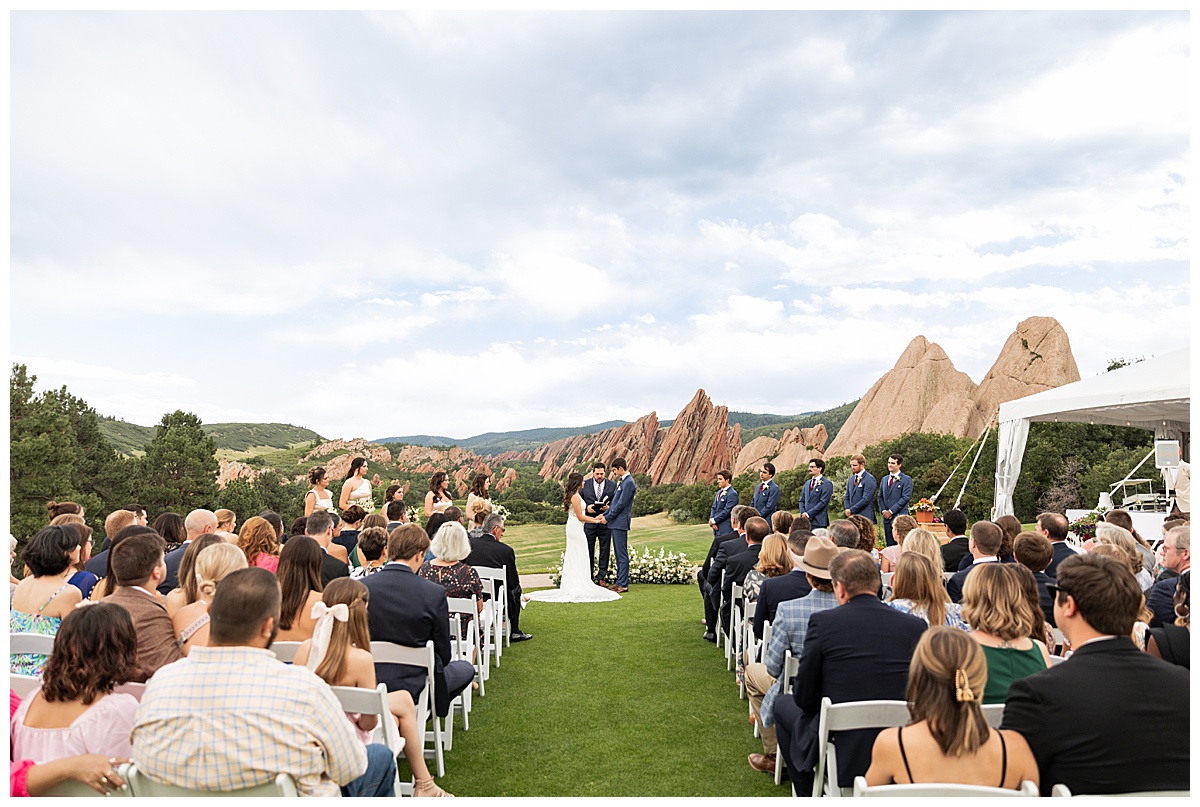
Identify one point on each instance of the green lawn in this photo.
(610, 699)
(539, 546)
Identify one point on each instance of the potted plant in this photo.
(924, 511)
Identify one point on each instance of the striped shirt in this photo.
(226, 718)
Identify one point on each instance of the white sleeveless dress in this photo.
(576, 584)
(362, 497)
(325, 504)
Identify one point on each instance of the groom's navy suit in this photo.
(597, 531)
(617, 517)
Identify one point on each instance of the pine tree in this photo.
(179, 470)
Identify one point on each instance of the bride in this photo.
(576, 584)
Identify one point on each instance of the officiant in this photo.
(597, 494)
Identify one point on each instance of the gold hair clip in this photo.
(962, 687)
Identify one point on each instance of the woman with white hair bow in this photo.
(339, 652)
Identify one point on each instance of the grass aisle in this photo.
(610, 699)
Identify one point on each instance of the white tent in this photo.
(1154, 394)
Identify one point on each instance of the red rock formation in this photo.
(1036, 357)
(512, 456)
(698, 444)
(634, 441)
(229, 470)
(798, 446)
(502, 484)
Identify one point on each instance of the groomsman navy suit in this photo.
(766, 495)
(815, 495)
(860, 490)
(723, 504)
(597, 494)
(617, 517)
(895, 492)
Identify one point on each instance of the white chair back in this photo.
(886, 578)
(73, 788)
(993, 713)
(847, 717)
(38, 643)
(374, 702)
(1062, 791)
(791, 666)
(494, 640)
(285, 651)
(1026, 790)
(145, 787)
(23, 685)
(389, 653)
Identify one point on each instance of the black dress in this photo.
(1174, 644)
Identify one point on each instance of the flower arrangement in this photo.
(1085, 528)
(414, 515)
(500, 510)
(668, 568)
(923, 506)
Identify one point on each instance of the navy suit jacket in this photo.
(723, 504)
(897, 498)
(1109, 719)
(855, 652)
(954, 585)
(1160, 599)
(619, 512)
(172, 559)
(815, 502)
(713, 548)
(733, 545)
(588, 494)
(790, 586)
(1062, 551)
(1045, 598)
(860, 498)
(739, 566)
(407, 609)
(766, 502)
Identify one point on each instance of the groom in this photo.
(617, 519)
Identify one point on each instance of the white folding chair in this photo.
(389, 653)
(145, 787)
(500, 617)
(1027, 789)
(886, 578)
(948, 575)
(1062, 791)
(463, 612)
(791, 666)
(993, 713)
(848, 717)
(73, 788)
(1060, 641)
(746, 641)
(38, 643)
(720, 602)
(285, 651)
(733, 632)
(23, 685)
(1056, 660)
(374, 702)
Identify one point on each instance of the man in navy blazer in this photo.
(407, 609)
(718, 550)
(740, 565)
(1109, 719)
(723, 504)
(815, 495)
(984, 546)
(766, 495)
(895, 492)
(860, 490)
(197, 523)
(856, 652)
(617, 517)
(597, 494)
(1055, 527)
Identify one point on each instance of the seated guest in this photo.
(788, 632)
(108, 582)
(171, 527)
(369, 552)
(860, 650)
(301, 587)
(226, 520)
(803, 522)
(1177, 558)
(1122, 519)
(1141, 625)
(139, 567)
(230, 716)
(275, 521)
(845, 533)
(80, 577)
(1033, 551)
(1001, 620)
(790, 586)
(1122, 538)
(710, 581)
(489, 551)
(75, 710)
(773, 561)
(923, 542)
(1109, 719)
(298, 526)
(984, 546)
(901, 527)
(476, 530)
(197, 523)
(334, 560)
(340, 654)
(739, 566)
(1173, 642)
(397, 514)
(1039, 629)
(409, 610)
(949, 740)
(1011, 527)
(1054, 526)
(258, 543)
(117, 520)
(352, 518)
(866, 532)
(186, 594)
(212, 565)
(917, 589)
(44, 597)
(450, 546)
(781, 522)
(954, 550)
(97, 771)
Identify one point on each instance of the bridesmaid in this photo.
(438, 498)
(357, 488)
(477, 499)
(319, 498)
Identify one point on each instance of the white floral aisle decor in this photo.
(662, 567)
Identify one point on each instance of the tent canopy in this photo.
(1154, 394)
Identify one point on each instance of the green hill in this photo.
(833, 419)
(499, 442)
(130, 438)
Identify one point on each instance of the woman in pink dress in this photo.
(260, 543)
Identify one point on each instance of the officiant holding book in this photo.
(597, 494)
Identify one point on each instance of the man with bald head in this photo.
(197, 523)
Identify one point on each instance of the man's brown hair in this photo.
(856, 571)
(134, 559)
(118, 520)
(987, 536)
(1055, 524)
(407, 540)
(756, 529)
(1106, 594)
(1033, 551)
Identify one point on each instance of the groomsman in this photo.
(894, 494)
(723, 504)
(860, 490)
(766, 495)
(815, 495)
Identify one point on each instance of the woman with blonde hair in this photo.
(1107, 533)
(213, 564)
(949, 740)
(1002, 619)
(339, 653)
(918, 588)
(260, 544)
(226, 520)
(901, 527)
(186, 593)
(773, 561)
(923, 542)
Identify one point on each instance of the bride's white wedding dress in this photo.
(576, 584)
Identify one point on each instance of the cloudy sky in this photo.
(448, 223)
